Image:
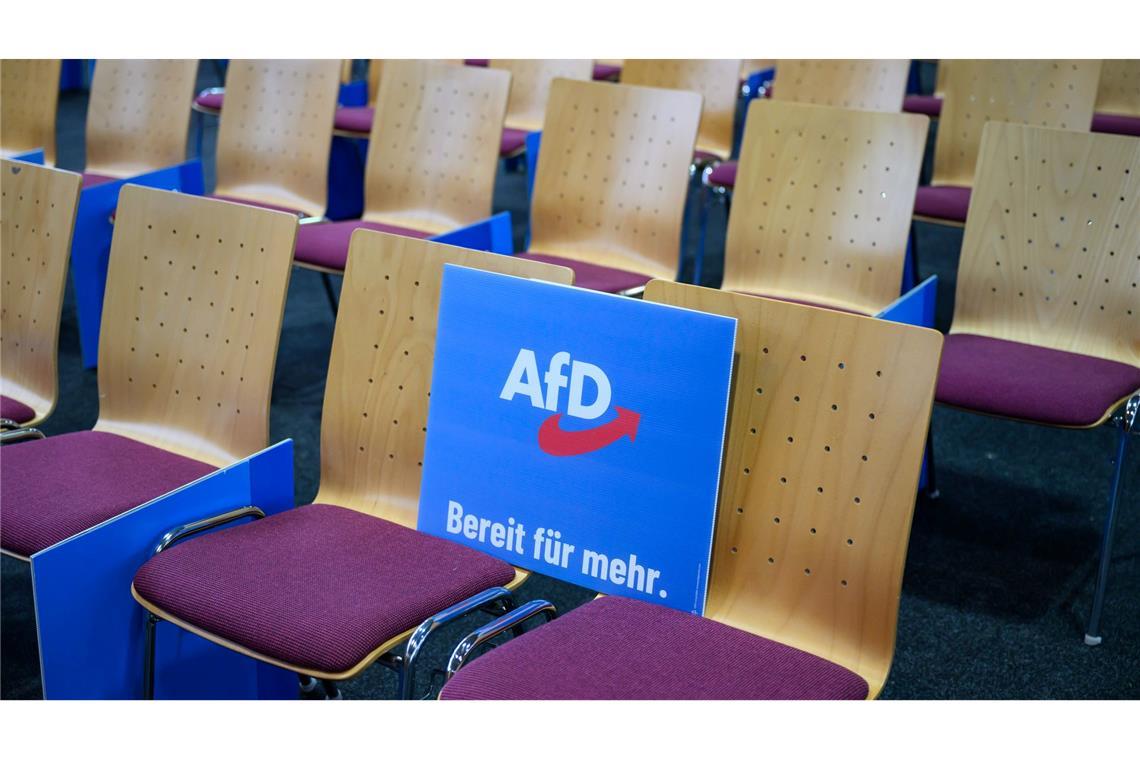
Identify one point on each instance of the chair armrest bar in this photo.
(183, 532)
(20, 434)
(420, 635)
(492, 629)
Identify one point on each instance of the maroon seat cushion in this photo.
(325, 244)
(604, 71)
(54, 488)
(318, 587)
(723, 175)
(615, 648)
(1116, 124)
(477, 62)
(948, 202)
(17, 411)
(209, 99)
(513, 141)
(593, 276)
(91, 180)
(931, 105)
(355, 119)
(258, 204)
(1029, 382)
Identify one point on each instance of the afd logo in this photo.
(525, 380)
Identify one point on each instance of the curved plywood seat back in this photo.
(138, 115)
(29, 95)
(868, 85)
(374, 422)
(192, 315)
(821, 211)
(530, 86)
(613, 175)
(375, 70)
(717, 81)
(434, 147)
(1119, 87)
(1044, 93)
(821, 468)
(36, 221)
(1051, 253)
(276, 131)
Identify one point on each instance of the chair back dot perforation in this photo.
(822, 206)
(374, 423)
(868, 85)
(29, 95)
(37, 215)
(1051, 253)
(530, 86)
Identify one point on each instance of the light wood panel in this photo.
(138, 115)
(530, 86)
(1044, 93)
(1119, 88)
(1051, 253)
(749, 66)
(29, 94)
(375, 70)
(191, 319)
(822, 206)
(825, 445)
(37, 216)
(716, 80)
(374, 422)
(869, 85)
(276, 131)
(434, 148)
(613, 175)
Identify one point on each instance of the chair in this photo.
(530, 88)
(929, 105)
(822, 205)
(328, 588)
(1046, 324)
(195, 296)
(1041, 92)
(1117, 109)
(136, 117)
(610, 187)
(821, 467)
(35, 239)
(29, 94)
(432, 158)
(717, 81)
(274, 138)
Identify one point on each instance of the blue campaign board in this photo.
(578, 434)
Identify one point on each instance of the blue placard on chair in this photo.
(578, 434)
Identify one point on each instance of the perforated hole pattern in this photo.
(29, 90)
(530, 86)
(716, 81)
(868, 85)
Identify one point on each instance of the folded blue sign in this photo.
(578, 434)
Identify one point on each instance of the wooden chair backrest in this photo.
(868, 85)
(1043, 93)
(718, 82)
(37, 216)
(29, 96)
(530, 86)
(613, 175)
(138, 116)
(750, 66)
(276, 131)
(822, 206)
(434, 148)
(374, 423)
(375, 71)
(1119, 88)
(191, 319)
(829, 420)
(1051, 253)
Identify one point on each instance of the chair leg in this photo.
(1127, 421)
(702, 231)
(148, 656)
(308, 684)
(332, 691)
(932, 491)
(330, 293)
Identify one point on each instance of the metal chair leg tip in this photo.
(308, 684)
(1091, 640)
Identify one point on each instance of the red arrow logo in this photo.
(567, 443)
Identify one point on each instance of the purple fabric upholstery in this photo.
(53, 488)
(948, 202)
(1116, 124)
(318, 587)
(258, 204)
(210, 100)
(723, 175)
(615, 648)
(931, 105)
(604, 71)
(17, 411)
(91, 180)
(326, 244)
(1030, 383)
(705, 156)
(355, 119)
(593, 276)
(478, 62)
(513, 140)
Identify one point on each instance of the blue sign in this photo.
(578, 434)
